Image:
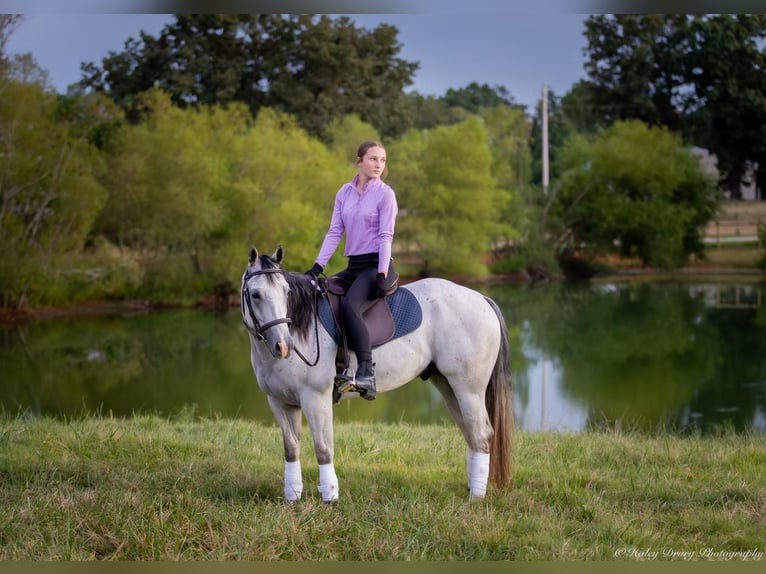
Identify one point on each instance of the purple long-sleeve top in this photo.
(368, 219)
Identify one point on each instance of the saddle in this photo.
(376, 313)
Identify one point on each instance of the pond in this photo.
(680, 357)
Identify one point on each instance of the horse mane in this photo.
(300, 299)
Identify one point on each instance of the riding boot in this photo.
(365, 380)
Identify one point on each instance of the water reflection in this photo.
(650, 356)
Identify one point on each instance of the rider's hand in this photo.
(380, 284)
(315, 271)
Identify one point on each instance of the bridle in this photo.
(258, 330)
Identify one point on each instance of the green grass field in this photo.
(149, 488)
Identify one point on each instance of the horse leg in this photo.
(318, 411)
(477, 463)
(453, 407)
(288, 418)
(478, 432)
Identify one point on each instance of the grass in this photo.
(148, 488)
(733, 256)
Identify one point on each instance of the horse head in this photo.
(265, 302)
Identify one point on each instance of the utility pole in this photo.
(545, 138)
(543, 406)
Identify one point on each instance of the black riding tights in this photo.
(363, 287)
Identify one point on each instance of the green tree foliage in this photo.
(314, 68)
(92, 116)
(476, 96)
(637, 191)
(637, 66)
(292, 180)
(450, 202)
(49, 193)
(160, 180)
(699, 75)
(8, 24)
(346, 133)
(728, 114)
(508, 139)
(431, 111)
(579, 108)
(208, 182)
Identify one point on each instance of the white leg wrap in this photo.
(468, 463)
(328, 482)
(478, 474)
(293, 481)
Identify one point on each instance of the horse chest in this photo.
(274, 385)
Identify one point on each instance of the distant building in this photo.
(710, 166)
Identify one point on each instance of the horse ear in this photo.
(278, 255)
(253, 255)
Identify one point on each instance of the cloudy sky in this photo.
(517, 50)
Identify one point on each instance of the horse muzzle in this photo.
(282, 347)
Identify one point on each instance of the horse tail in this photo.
(499, 403)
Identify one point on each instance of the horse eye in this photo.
(255, 295)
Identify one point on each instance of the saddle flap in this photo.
(376, 313)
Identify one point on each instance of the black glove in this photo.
(315, 270)
(380, 285)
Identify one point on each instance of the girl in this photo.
(365, 210)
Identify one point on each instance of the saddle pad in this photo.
(404, 307)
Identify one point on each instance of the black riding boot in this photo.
(365, 380)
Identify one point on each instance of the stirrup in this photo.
(344, 382)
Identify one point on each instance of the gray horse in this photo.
(461, 346)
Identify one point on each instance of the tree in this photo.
(450, 205)
(580, 110)
(637, 66)
(474, 97)
(315, 68)
(49, 193)
(728, 112)
(8, 25)
(636, 191)
(431, 111)
(201, 185)
(508, 140)
(160, 180)
(700, 75)
(92, 116)
(344, 136)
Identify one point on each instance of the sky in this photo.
(518, 50)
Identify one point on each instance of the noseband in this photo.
(259, 330)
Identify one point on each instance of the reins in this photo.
(258, 329)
